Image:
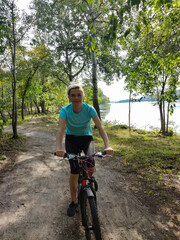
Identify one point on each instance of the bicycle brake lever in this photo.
(100, 154)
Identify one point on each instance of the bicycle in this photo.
(87, 188)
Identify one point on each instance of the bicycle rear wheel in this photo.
(90, 218)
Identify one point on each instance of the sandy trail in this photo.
(34, 197)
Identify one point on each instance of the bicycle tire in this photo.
(90, 218)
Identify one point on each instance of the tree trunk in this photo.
(31, 107)
(1, 112)
(95, 85)
(3, 117)
(167, 122)
(22, 109)
(13, 54)
(162, 118)
(94, 73)
(43, 108)
(38, 110)
(14, 109)
(130, 111)
(162, 106)
(42, 101)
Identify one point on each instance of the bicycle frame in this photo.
(83, 178)
(87, 196)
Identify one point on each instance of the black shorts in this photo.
(75, 144)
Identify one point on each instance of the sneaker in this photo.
(72, 209)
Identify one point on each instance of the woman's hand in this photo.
(60, 153)
(109, 151)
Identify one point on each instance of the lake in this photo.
(144, 115)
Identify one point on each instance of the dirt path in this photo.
(34, 197)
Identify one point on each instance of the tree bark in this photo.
(94, 72)
(130, 111)
(3, 117)
(167, 122)
(95, 85)
(13, 48)
(38, 110)
(22, 109)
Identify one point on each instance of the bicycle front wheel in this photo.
(90, 218)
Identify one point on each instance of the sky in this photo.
(22, 4)
(115, 91)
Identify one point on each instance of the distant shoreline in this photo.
(138, 100)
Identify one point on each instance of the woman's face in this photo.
(76, 96)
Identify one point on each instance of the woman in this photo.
(76, 119)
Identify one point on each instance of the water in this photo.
(144, 115)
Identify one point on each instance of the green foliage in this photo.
(2, 29)
(151, 66)
(88, 90)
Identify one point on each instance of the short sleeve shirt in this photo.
(78, 123)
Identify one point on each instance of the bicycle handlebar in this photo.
(71, 155)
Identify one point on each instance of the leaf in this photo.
(3, 157)
(127, 32)
(93, 30)
(92, 46)
(157, 4)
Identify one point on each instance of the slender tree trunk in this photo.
(22, 109)
(3, 117)
(162, 118)
(38, 110)
(1, 112)
(167, 122)
(31, 107)
(43, 108)
(42, 101)
(95, 85)
(162, 106)
(94, 72)
(2, 92)
(164, 114)
(14, 109)
(130, 111)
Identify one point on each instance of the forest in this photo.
(49, 45)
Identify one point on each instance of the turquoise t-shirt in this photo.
(78, 123)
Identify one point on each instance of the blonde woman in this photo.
(75, 118)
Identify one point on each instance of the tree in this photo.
(61, 26)
(152, 63)
(2, 29)
(100, 57)
(32, 61)
(70, 34)
(16, 28)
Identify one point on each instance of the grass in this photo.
(9, 145)
(153, 159)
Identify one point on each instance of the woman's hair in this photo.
(74, 85)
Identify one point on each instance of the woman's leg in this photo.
(89, 151)
(73, 182)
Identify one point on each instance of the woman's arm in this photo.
(59, 137)
(108, 149)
